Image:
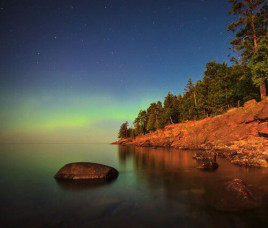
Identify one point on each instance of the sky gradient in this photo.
(73, 71)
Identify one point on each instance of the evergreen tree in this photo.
(179, 108)
(151, 123)
(154, 117)
(252, 27)
(151, 112)
(123, 131)
(218, 81)
(222, 86)
(131, 133)
(242, 88)
(189, 86)
(188, 110)
(160, 120)
(171, 109)
(137, 126)
(201, 99)
(259, 65)
(141, 122)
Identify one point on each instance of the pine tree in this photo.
(171, 109)
(153, 113)
(131, 133)
(189, 86)
(252, 27)
(218, 82)
(188, 110)
(123, 131)
(140, 123)
(259, 65)
(151, 123)
(242, 88)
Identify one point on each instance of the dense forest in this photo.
(222, 86)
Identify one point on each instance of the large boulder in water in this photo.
(86, 171)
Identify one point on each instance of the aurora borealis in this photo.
(73, 71)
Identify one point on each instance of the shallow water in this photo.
(155, 188)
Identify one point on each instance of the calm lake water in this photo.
(155, 188)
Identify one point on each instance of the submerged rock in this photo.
(209, 166)
(205, 156)
(83, 184)
(86, 171)
(239, 189)
(235, 195)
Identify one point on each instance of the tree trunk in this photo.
(254, 35)
(195, 99)
(263, 89)
(171, 120)
(253, 26)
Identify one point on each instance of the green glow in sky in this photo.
(66, 118)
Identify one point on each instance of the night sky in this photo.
(73, 71)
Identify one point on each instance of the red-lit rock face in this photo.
(240, 135)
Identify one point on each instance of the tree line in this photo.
(222, 86)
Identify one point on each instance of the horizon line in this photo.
(55, 143)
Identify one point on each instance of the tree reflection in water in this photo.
(173, 174)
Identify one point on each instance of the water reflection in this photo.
(82, 185)
(174, 173)
(178, 166)
(159, 158)
(155, 188)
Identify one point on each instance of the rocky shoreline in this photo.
(239, 135)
